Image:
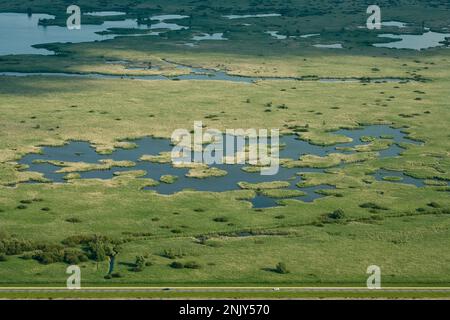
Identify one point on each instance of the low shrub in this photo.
(434, 204)
(27, 256)
(74, 257)
(172, 253)
(49, 257)
(337, 214)
(192, 265)
(12, 246)
(372, 205)
(139, 264)
(116, 275)
(177, 265)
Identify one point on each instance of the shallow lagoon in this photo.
(77, 151)
(414, 41)
(209, 36)
(23, 31)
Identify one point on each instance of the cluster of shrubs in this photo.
(434, 210)
(77, 240)
(139, 264)
(97, 248)
(43, 253)
(172, 253)
(55, 253)
(13, 246)
(373, 206)
(337, 214)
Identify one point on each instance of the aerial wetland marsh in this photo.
(87, 116)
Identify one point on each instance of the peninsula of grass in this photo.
(264, 185)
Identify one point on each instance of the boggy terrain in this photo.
(384, 195)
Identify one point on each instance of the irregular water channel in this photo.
(199, 74)
(195, 74)
(293, 148)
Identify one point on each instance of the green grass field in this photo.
(404, 229)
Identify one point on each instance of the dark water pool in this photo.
(293, 148)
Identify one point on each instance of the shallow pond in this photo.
(397, 24)
(208, 36)
(309, 35)
(329, 46)
(77, 151)
(105, 13)
(414, 41)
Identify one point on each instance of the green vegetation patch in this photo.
(282, 193)
(264, 185)
(203, 173)
(163, 157)
(169, 179)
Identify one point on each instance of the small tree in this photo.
(139, 264)
(177, 265)
(281, 268)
